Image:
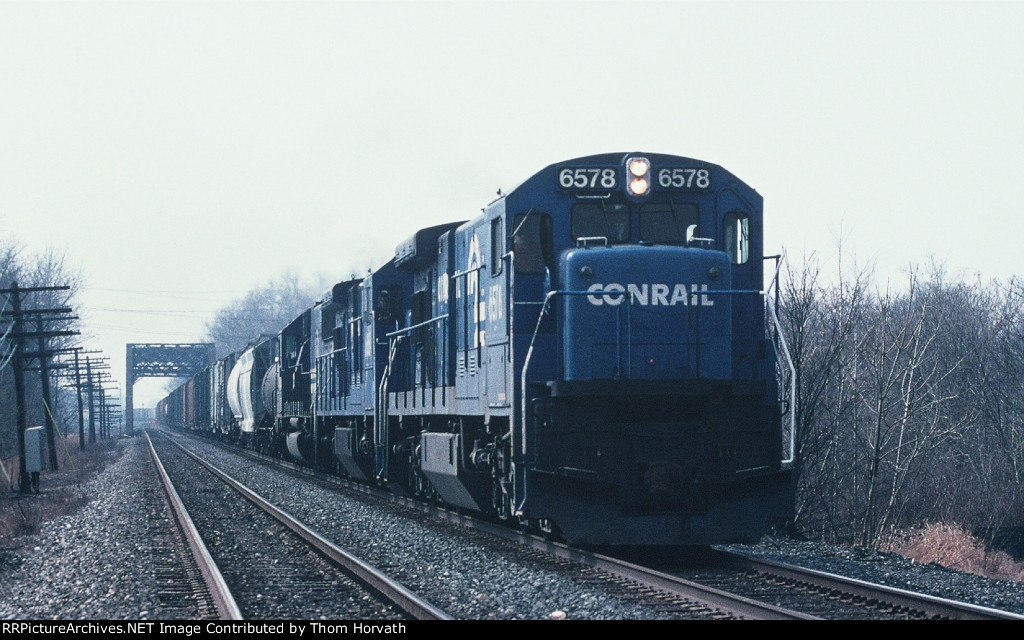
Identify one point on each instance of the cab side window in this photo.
(531, 243)
(737, 236)
(497, 247)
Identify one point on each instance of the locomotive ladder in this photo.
(380, 418)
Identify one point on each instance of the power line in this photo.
(93, 327)
(168, 292)
(168, 311)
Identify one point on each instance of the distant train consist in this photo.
(594, 356)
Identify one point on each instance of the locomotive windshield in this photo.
(664, 223)
(668, 223)
(601, 220)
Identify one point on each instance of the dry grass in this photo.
(60, 492)
(953, 546)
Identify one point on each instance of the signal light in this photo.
(639, 176)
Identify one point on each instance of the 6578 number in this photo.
(684, 178)
(588, 178)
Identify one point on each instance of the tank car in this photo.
(243, 394)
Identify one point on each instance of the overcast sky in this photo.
(183, 153)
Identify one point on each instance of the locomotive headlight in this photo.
(638, 186)
(639, 176)
(638, 167)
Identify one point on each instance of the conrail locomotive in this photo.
(595, 356)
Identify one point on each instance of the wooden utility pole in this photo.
(80, 386)
(78, 392)
(94, 384)
(110, 406)
(19, 335)
(24, 480)
(92, 412)
(44, 377)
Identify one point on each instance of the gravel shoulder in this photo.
(95, 563)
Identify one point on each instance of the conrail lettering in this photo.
(655, 294)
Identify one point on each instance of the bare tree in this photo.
(265, 310)
(915, 371)
(10, 269)
(990, 469)
(48, 269)
(909, 402)
(821, 323)
(1006, 405)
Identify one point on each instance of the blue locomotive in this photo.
(594, 356)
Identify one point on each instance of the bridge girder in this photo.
(162, 360)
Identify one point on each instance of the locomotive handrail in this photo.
(620, 292)
(522, 393)
(584, 240)
(419, 325)
(786, 462)
(529, 354)
(402, 333)
(324, 354)
(773, 286)
(780, 341)
(462, 274)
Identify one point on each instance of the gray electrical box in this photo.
(35, 449)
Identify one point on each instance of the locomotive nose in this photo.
(648, 313)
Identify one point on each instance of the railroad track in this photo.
(265, 564)
(834, 596)
(720, 587)
(212, 588)
(181, 589)
(675, 603)
(670, 595)
(745, 587)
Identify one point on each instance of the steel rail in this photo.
(740, 606)
(363, 571)
(701, 594)
(931, 605)
(225, 603)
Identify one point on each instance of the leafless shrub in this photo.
(950, 545)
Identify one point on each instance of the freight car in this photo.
(595, 355)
